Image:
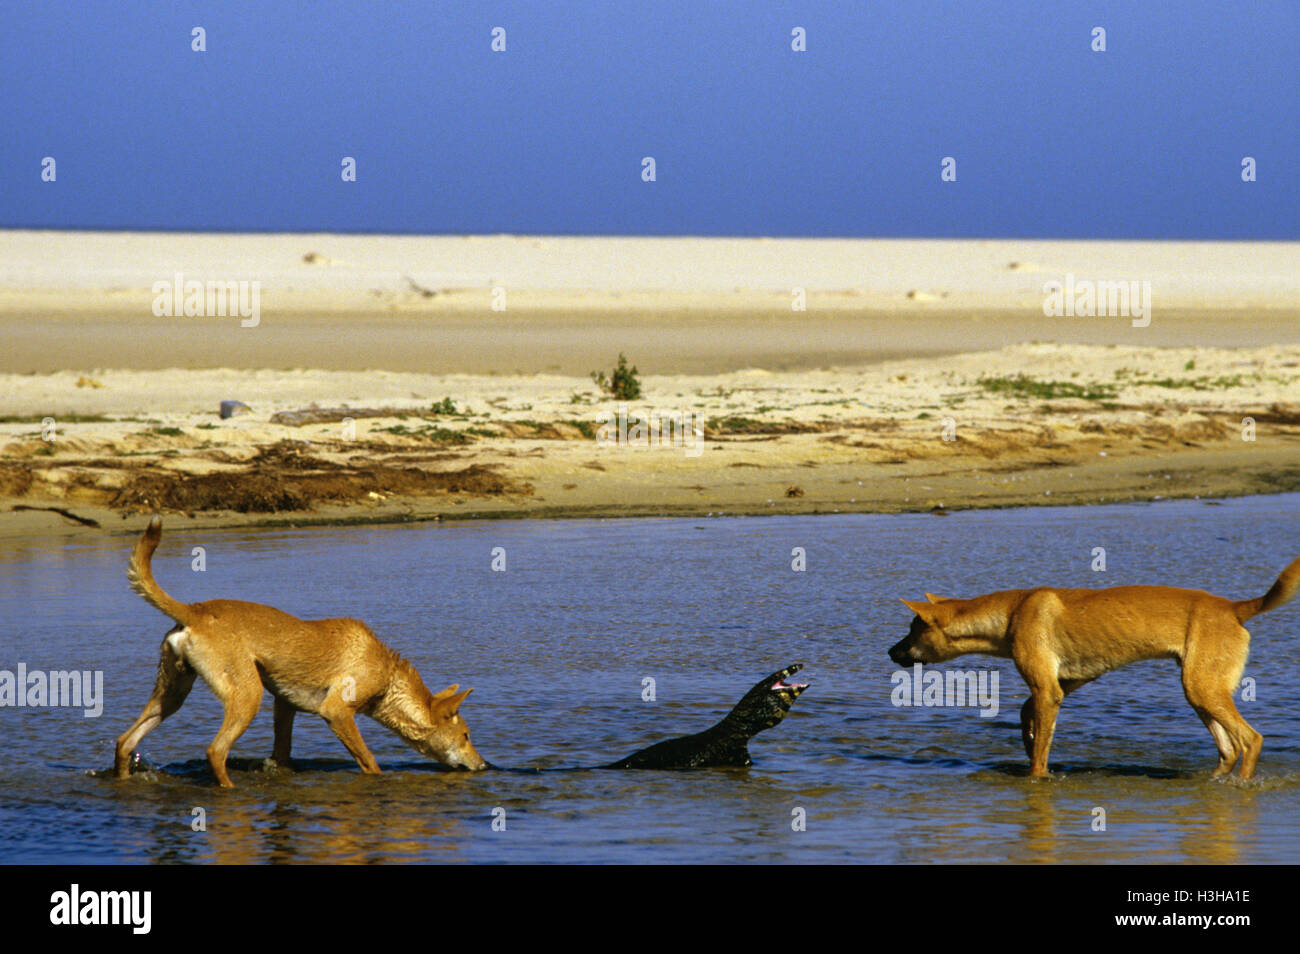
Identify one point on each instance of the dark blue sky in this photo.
(750, 138)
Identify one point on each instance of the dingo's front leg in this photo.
(1039, 667)
(338, 715)
(1044, 703)
(1027, 711)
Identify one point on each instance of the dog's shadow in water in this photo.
(198, 770)
(1021, 769)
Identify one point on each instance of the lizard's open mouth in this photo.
(780, 685)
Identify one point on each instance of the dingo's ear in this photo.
(446, 693)
(922, 610)
(938, 599)
(449, 706)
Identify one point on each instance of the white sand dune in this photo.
(345, 270)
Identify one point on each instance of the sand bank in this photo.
(1027, 424)
(823, 376)
(78, 300)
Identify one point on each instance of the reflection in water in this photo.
(346, 832)
(1228, 823)
(1040, 833)
(558, 650)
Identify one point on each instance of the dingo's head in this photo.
(928, 641)
(447, 738)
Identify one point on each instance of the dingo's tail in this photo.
(140, 575)
(1286, 587)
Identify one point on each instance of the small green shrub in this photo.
(623, 384)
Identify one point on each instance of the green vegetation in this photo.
(623, 384)
(736, 424)
(1134, 377)
(58, 418)
(430, 432)
(1023, 386)
(1195, 384)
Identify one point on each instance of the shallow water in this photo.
(557, 648)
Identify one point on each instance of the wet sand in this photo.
(668, 337)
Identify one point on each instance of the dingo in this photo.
(332, 667)
(1061, 639)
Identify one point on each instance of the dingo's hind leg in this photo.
(174, 682)
(1228, 753)
(284, 713)
(241, 706)
(1244, 739)
(234, 680)
(1212, 668)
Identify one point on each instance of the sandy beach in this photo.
(450, 377)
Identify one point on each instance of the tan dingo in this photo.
(1062, 639)
(332, 667)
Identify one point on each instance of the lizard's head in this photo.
(767, 703)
